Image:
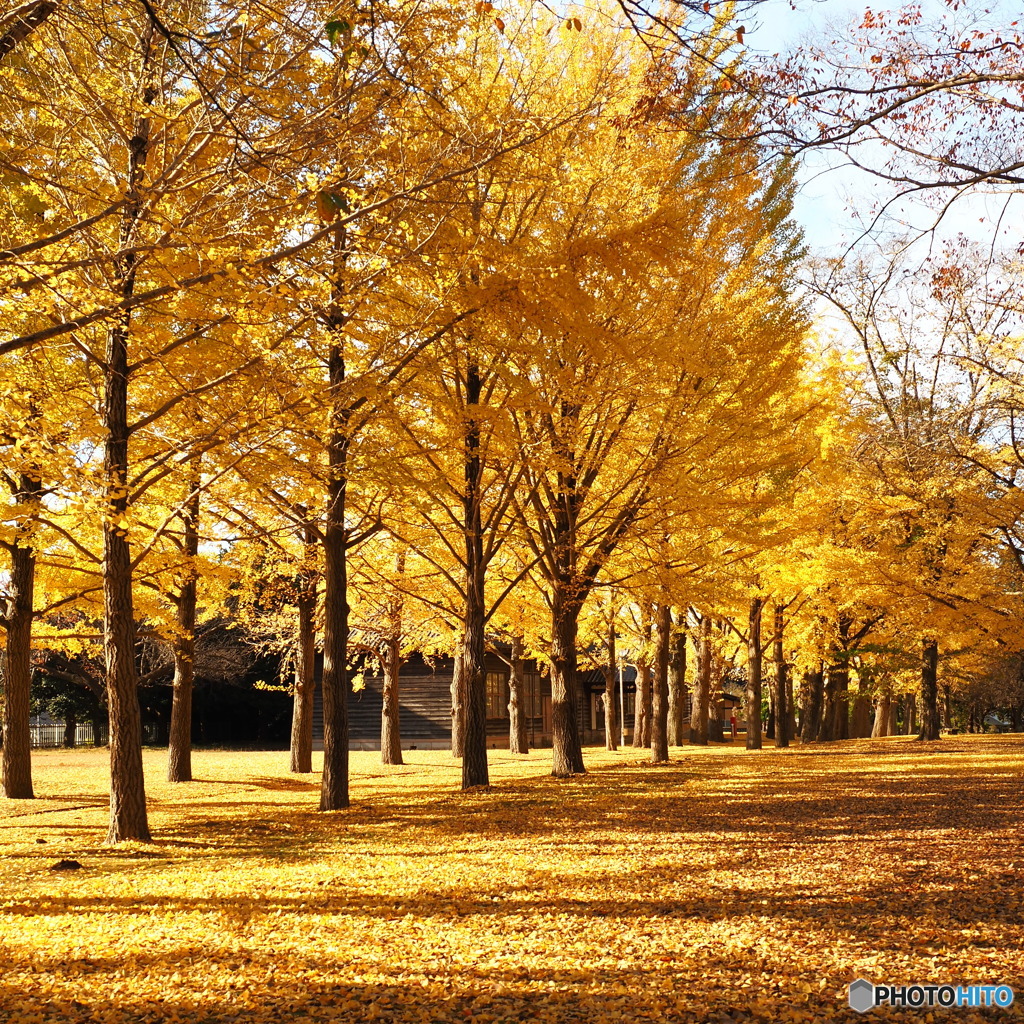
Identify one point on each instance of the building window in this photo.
(497, 701)
(531, 695)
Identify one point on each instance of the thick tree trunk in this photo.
(70, 730)
(128, 819)
(702, 689)
(835, 712)
(642, 715)
(781, 690)
(390, 715)
(97, 732)
(474, 753)
(754, 740)
(862, 717)
(812, 709)
(390, 725)
(894, 708)
(179, 747)
(929, 691)
(518, 741)
(881, 726)
(17, 674)
(458, 692)
(566, 752)
(334, 794)
(677, 695)
(301, 747)
(608, 670)
(910, 715)
(659, 702)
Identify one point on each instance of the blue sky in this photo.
(832, 196)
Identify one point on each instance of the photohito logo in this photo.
(865, 995)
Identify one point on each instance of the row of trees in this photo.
(452, 327)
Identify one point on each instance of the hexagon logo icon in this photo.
(862, 995)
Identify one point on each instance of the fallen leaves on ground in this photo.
(724, 886)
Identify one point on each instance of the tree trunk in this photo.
(70, 730)
(929, 691)
(566, 752)
(390, 725)
(611, 723)
(881, 726)
(334, 782)
(910, 718)
(702, 690)
(17, 674)
(862, 717)
(677, 695)
(642, 716)
(474, 752)
(754, 740)
(128, 820)
(947, 705)
(179, 747)
(390, 715)
(458, 692)
(812, 709)
(781, 671)
(659, 702)
(894, 708)
(301, 747)
(518, 742)
(97, 732)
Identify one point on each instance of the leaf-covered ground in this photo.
(723, 887)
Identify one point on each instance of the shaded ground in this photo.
(722, 887)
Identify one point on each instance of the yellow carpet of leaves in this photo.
(722, 887)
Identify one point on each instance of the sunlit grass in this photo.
(723, 886)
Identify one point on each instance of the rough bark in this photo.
(391, 662)
(910, 715)
(894, 708)
(608, 670)
(702, 689)
(781, 690)
(301, 746)
(659, 698)
(334, 782)
(812, 710)
(929, 691)
(754, 740)
(642, 715)
(518, 741)
(179, 746)
(25, 20)
(677, 693)
(566, 752)
(881, 725)
(474, 752)
(17, 674)
(390, 725)
(458, 692)
(860, 727)
(128, 820)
